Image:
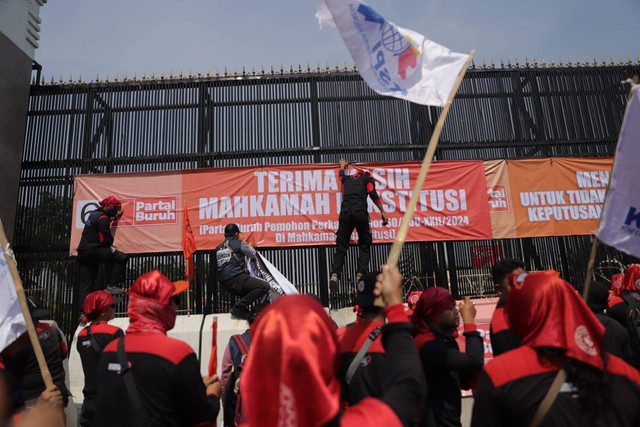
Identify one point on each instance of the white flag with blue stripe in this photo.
(392, 60)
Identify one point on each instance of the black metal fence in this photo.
(302, 117)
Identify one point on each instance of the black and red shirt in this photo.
(502, 339)
(96, 232)
(448, 370)
(166, 374)
(55, 351)
(367, 380)
(355, 191)
(91, 350)
(512, 386)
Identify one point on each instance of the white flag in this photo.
(12, 323)
(620, 220)
(392, 60)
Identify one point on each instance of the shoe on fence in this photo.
(240, 313)
(333, 282)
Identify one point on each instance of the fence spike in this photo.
(621, 61)
(153, 75)
(544, 63)
(281, 69)
(355, 67)
(125, 78)
(272, 72)
(493, 63)
(144, 76)
(253, 70)
(526, 61)
(262, 70)
(611, 61)
(235, 72)
(243, 72)
(79, 78)
(508, 63)
(162, 76)
(308, 67)
(561, 63)
(484, 63)
(135, 76)
(578, 62)
(501, 63)
(226, 73)
(106, 80)
(638, 60)
(290, 68)
(217, 72)
(199, 73)
(208, 73)
(299, 68)
(52, 82)
(42, 81)
(190, 73)
(181, 75)
(60, 80)
(337, 68)
(587, 62)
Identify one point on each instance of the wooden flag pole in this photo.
(31, 330)
(398, 243)
(592, 260)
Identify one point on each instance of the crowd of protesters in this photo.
(557, 359)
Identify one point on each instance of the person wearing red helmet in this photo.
(98, 309)
(146, 378)
(96, 247)
(558, 332)
(354, 214)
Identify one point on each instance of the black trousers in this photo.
(250, 289)
(89, 261)
(358, 219)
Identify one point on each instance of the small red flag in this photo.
(188, 244)
(213, 360)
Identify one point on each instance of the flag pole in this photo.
(31, 330)
(592, 260)
(398, 243)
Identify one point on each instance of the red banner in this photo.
(288, 205)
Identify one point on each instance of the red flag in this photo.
(188, 244)
(213, 360)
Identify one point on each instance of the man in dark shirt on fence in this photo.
(233, 273)
(354, 213)
(96, 247)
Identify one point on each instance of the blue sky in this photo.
(126, 36)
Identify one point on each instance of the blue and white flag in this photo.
(620, 220)
(11, 318)
(392, 60)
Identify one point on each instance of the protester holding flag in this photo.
(290, 375)
(354, 214)
(98, 309)
(233, 273)
(96, 248)
(147, 377)
(562, 340)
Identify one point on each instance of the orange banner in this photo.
(288, 205)
(546, 197)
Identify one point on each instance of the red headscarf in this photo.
(616, 283)
(95, 304)
(546, 311)
(631, 281)
(110, 200)
(149, 309)
(431, 304)
(290, 375)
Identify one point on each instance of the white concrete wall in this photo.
(187, 329)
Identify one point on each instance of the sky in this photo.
(85, 37)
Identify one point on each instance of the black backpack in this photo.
(232, 408)
(632, 299)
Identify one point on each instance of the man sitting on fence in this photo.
(96, 247)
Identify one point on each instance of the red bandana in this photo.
(290, 375)
(631, 281)
(546, 311)
(616, 283)
(149, 309)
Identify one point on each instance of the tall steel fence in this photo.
(304, 116)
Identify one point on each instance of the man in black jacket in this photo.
(354, 214)
(96, 247)
(233, 273)
(616, 337)
(502, 339)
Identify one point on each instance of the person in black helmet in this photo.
(233, 274)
